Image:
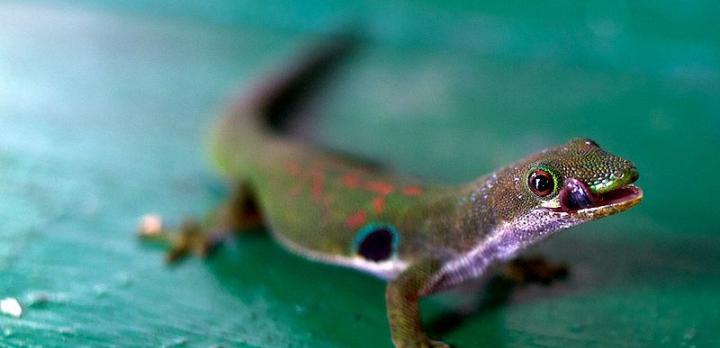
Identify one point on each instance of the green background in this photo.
(103, 111)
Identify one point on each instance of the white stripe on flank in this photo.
(388, 269)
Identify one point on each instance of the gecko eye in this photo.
(541, 183)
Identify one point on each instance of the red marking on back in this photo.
(381, 188)
(327, 202)
(350, 180)
(356, 220)
(295, 191)
(318, 181)
(293, 168)
(412, 191)
(379, 204)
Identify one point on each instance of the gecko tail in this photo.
(269, 107)
(266, 112)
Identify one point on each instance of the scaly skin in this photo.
(421, 238)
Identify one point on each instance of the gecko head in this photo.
(581, 180)
(562, 187)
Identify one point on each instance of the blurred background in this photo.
(104, 107)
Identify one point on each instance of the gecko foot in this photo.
(535, 269)
(189, 238)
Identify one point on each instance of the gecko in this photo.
(422, 238)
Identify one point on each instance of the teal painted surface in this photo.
(103, 108)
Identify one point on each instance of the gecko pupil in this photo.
(377, 245)
(541, 183)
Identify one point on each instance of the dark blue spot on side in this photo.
(376, 242)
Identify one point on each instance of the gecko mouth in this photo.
(576, 197)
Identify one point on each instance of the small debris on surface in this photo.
(37, 299)
(67, 331)
(577, 328)
(177, 342)
(150, 225)
(11, 306)
(42, 298)
(100, 290)
(124, 279)
(299, 309)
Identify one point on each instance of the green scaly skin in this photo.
(324, 206)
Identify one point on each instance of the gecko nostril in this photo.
(591, 142)
(634, 174)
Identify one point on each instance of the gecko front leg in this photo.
(238, 213)
(402, 296)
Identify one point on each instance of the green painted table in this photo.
(103, 106)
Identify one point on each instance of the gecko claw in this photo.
(188, 239)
